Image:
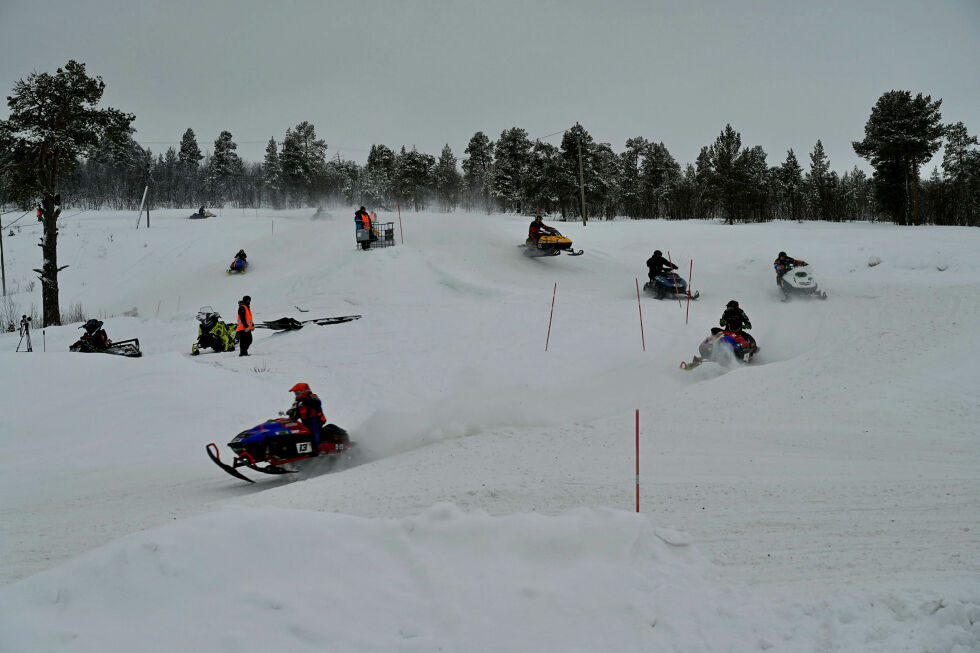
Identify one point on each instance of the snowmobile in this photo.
(798, 282)
(95, 341)
(723, 347)
(292, 324)
(550, 243)
(278, 442)
(668, 285)
(199, 215)
(212, 332)
(239, 264)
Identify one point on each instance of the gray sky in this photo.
(427, 73)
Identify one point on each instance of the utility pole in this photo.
(581, 180)
(3, 265)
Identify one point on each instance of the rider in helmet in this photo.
(735, 320)
(659, 265)
(537, 228)
(784, 264)
(95, 336)
(308, 410)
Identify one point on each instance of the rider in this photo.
(784, 264)
(308, 410)
(735, 320)
(659, 265)
(537, 228)
(95, 335)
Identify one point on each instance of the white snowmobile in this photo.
(799, 282)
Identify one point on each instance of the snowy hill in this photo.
(823, 497)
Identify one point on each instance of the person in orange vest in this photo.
(364, 220)
(39, 213)
(308, 410)
(245, 325)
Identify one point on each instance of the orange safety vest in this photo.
(367, 220)
(248, 326)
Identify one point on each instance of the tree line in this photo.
(57, 144)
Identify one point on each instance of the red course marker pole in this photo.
(551, 317)
(690, 279)
(643, 338)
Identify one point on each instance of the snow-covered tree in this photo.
(477, 168)
(511, 159)
(447, 180)
(53, 121)
(225, 169)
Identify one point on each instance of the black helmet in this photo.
(246, 300)
(657, 252)
(782, 255)
(732, 304)
(92, 325)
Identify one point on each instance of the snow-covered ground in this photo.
(825, 497)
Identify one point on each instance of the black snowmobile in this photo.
(668, 285)
(278, 442)
(96, 341)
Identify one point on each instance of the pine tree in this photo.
(477, 166)
(379, 174)
(272, 172)
(901, 134)
(189, 159)
(819, 185)
(659, 174)
(302, 160)
(511, 160)
(447, 179)
(225, 169)
(961, 164)
(413, 177)
(53, 122)
(789, 179)
(630, 195)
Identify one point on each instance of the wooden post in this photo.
(140, 215)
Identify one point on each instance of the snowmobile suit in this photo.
(659, 265)
(99, 340)
(536, 228)
(244, 328)
(309, 410)
(736, 321)
(784, 264)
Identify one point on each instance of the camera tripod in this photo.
(25, 332)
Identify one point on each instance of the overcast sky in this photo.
(428, 73)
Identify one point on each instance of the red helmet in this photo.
(300, 387)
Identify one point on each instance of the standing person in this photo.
(658, 265)
(363, 221)
(245, 325)
(735, 320)
(784, 264)
(39, 213)
(309, 410)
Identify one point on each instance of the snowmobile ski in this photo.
(694, 363)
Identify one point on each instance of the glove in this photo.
(748, 325)
(721, 323)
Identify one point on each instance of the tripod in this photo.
(25, 332)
